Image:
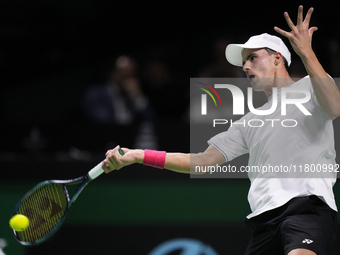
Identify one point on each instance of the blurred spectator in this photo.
(120, 100)
(166, 89)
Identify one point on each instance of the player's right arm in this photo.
(300, 37)
(177, 162)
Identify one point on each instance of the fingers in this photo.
(300, 15)
(289, 21)
(112, 161)
(300, 25)
(308, 16)
(282, 32)
(311, 31)
(300, 20)
(300, 36)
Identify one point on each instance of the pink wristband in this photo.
(154, 158)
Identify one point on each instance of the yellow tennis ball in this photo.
(19, 222)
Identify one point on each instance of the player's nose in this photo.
(246, 66)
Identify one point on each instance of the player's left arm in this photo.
(325, 89)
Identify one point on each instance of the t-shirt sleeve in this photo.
(230, 143)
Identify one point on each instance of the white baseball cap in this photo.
(233, 52)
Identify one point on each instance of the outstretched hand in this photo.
(301, 35)
(115, 161)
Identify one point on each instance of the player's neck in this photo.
(280, 81)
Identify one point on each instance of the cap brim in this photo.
(233, 53)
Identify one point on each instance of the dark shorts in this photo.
(304, 222)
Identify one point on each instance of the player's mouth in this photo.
(251, 78)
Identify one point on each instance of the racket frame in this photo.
(83, 181)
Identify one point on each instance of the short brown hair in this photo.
(271, 52)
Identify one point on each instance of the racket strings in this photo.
(44, 207)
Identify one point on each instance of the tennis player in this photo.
(294, 216)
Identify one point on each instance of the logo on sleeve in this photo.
(307, 241)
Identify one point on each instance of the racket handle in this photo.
(98, 170)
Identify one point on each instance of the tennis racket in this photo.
(46, 206)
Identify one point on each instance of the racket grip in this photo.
(96, 171)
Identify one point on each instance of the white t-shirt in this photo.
(306, 146)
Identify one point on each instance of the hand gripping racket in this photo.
(46, 206)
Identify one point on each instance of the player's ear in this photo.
(277, 58)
